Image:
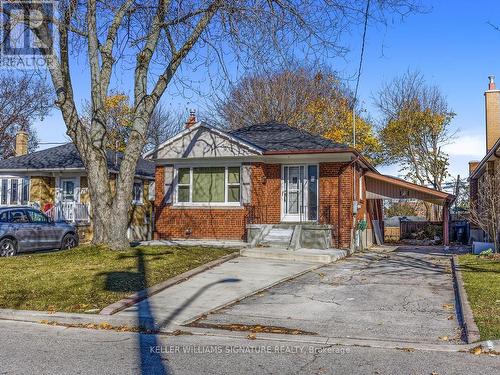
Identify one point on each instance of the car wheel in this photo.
(8, 248)
(69, 241)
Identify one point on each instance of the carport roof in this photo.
(380, 186)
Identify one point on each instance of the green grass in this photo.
(89, 277)
(481, 278)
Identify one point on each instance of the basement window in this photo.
(208, 185)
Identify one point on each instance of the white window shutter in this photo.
(246, 184)
(169, 183)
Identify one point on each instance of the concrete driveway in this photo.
(405, 296)
(212, 289)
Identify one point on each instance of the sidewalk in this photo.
(213, 289)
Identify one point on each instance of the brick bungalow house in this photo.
(490, 164)
(217, 184)
(55, 180)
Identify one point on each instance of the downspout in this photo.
(354, 232)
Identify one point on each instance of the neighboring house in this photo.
(490, 164)
(212, 183)
(55, 180)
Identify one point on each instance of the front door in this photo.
(69, 196)
(299, 193)
(293, 192)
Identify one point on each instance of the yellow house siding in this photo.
(140, 216)
(42, 190)
(84, 190)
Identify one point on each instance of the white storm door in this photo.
(293, 193)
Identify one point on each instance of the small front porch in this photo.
(290, 236)
(66, 199)
(298, 210)
(73, 212)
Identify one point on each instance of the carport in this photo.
(379, 187)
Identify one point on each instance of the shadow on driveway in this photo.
(151, 360)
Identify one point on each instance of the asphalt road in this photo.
(27, 348)
(406, 295)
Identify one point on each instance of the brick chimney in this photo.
(472, 166)
(21, 143)
(191, 119)
(492, 107)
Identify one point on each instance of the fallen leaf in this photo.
(443, 338)
(451, 317)
(105, 325)
(252, 336)
(408, 350)
(476, 350)
(448, 306)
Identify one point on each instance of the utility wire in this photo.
(363, 42)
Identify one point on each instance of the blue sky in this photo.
(452, 45)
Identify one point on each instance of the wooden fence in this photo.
(408, 229)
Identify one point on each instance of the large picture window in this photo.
(14, 190)
(199, 185)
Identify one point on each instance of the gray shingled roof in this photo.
(273, 136)
(66, 157)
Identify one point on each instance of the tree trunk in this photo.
(110, 211)
(110, 227)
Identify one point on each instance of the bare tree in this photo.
(23, 99)
(153, 38)
(414, 130)
(281, 95)
(484, 210)
(163, 125)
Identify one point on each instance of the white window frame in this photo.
(227, 184)
(140, 201)
(205, 204)
(59, 188)
(20, 185)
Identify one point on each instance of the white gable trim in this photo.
(198, 125)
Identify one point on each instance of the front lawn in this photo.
(88, 278)
(482, 282)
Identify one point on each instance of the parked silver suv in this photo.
(27, 229)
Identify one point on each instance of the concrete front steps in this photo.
(295, 242)
(278, 236)
(291, 236)
(300, 255)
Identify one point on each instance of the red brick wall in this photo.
(225, 222)
(331, 175)
(266, 192)
(230, 223)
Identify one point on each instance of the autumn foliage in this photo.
(311, 99)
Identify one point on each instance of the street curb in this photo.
(332, 341)
(465, 312)
(143, 294)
